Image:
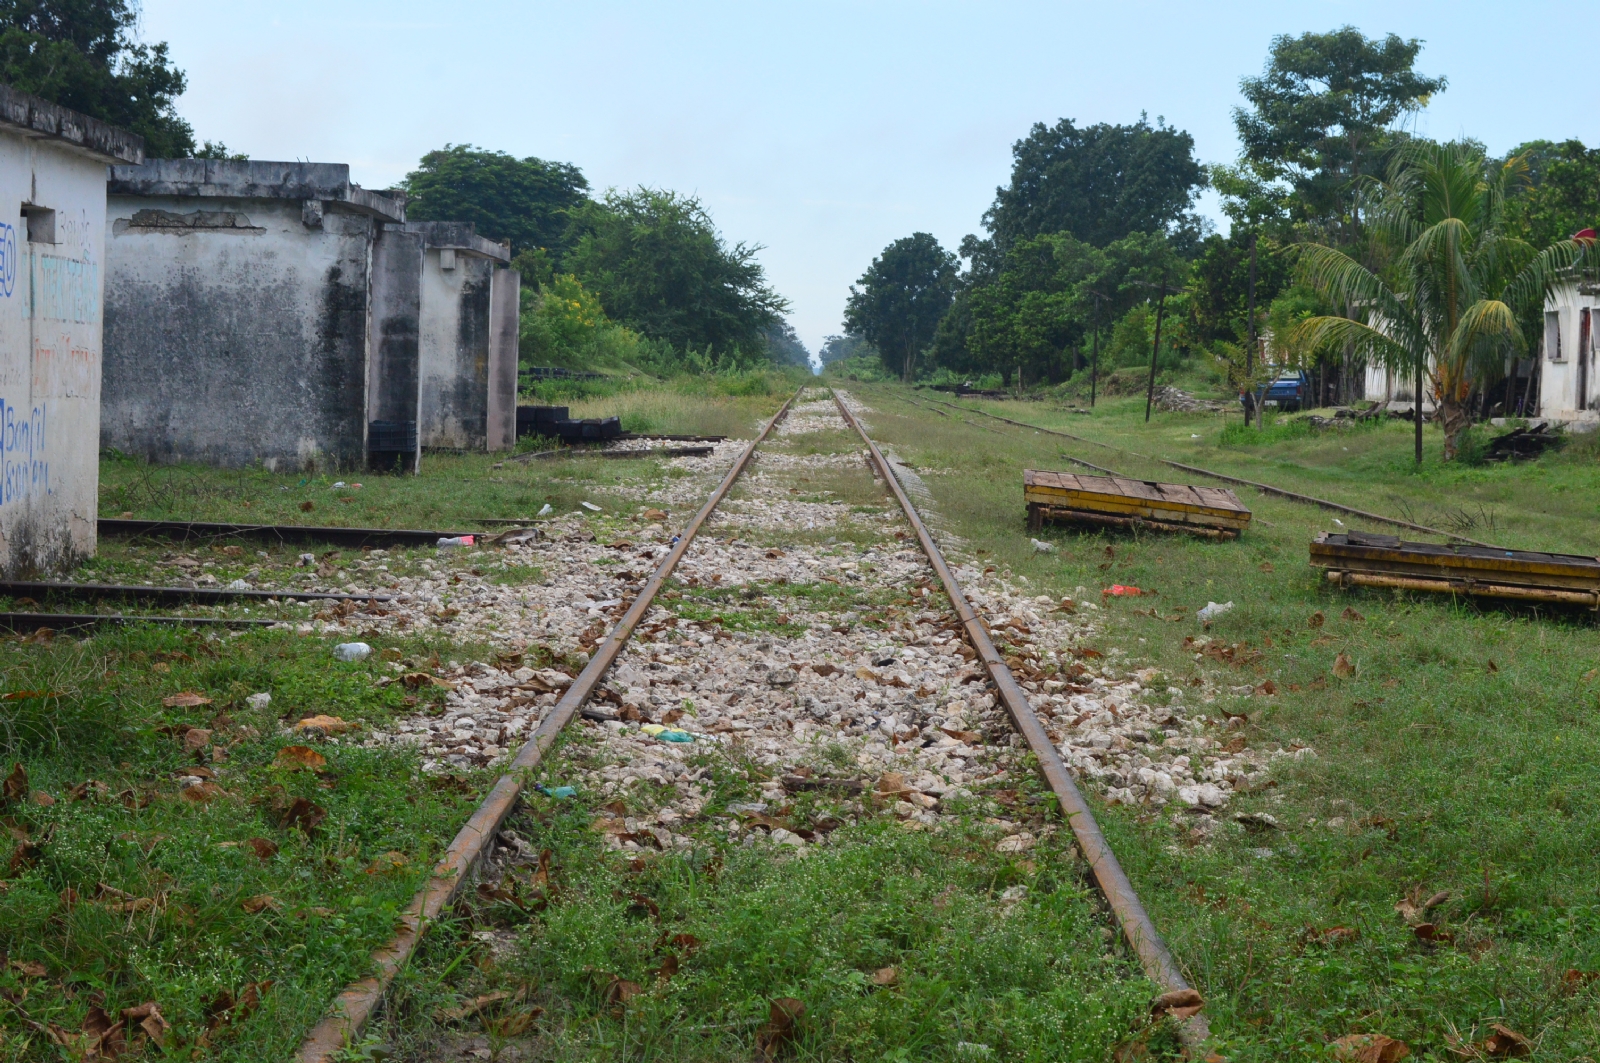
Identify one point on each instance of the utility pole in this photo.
(1419, 407)
(1250, 351)
(1161, 309)
(1094, 358)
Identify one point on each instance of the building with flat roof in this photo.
(52, 272)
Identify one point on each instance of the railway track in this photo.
(916, 679)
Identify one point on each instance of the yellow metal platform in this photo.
(1361, 559)
(1115, 501)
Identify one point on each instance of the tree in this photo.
(785, 347)
(1099, 183)
(843, 348)
(902, 296)
(1562, 194)
(86, 55)
(1446, 304)
(526, 201)
(1323, 114)
(660, 267)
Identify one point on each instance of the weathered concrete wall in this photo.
(1568, 386)
(235, 333)
(395, 342)
(505, 301)
(52, 255)
(456, 329)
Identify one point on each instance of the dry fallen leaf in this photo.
(299, 758)
(1179, 1003)
(885, 976)
(303, 814)
(1370, 1048)
(1351, 614)
(1506, 1043)
(148, 1016)
(264, 848)
(196, 738)
(202, 792)
(260, 903)
(102, 1038)
(783, 1015)
(1342, 667)
(472, 1007)
(1316, 619)
(620, 991)
(186, 699)
(332, 725)
(30, 968)
(15, 787)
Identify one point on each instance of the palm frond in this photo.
(1328, 333)
(1484, 338)
(1549, 267)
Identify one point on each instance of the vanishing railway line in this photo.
(473, 843)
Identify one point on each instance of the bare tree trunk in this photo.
(911, 362)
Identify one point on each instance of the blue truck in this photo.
(1288, 392)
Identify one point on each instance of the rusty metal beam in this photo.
(182, 530)
(1157, 961)
(83, 621)
(201, 595)
(1473, 588)
(339, 1027)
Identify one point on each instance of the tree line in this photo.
(638, 277)
(1339, 213)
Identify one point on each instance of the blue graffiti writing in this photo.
(8, 259)
(67, 290)
(24, 469)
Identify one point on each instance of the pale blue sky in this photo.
(821, 130)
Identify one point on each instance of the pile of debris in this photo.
(1180, 401)
(1523, 444)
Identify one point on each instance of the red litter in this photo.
(1117, 590)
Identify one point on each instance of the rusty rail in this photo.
(41, 589)
(1293, 496)
(1157, 961)
(351, 1010)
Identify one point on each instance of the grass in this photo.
(1461, 755)
(991, 956)
(124, 886)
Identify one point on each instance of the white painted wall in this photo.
(1560, 364)
(454, 349)
(50, 354)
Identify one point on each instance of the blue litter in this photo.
(558, 791)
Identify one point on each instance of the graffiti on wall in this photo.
(65, 369)
(66, 289)
(8, 259)
(24, 469)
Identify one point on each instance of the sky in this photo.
(822, 131)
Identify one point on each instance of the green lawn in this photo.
(1461, 756)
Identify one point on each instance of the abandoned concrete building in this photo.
(52, 253)
(1568, 389)
(275, 313)
(468, 339)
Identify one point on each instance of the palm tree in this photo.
(1445, 302)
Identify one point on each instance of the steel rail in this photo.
(1157, 961)
(1265, 488)
(285, 533)
(356, 1003)
(81, 621)
(18, 588)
